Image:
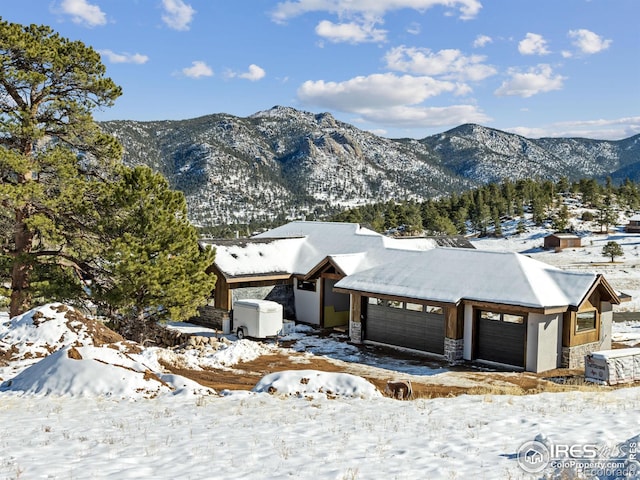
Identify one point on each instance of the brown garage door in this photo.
(405, 328)
(501, 338)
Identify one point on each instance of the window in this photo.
(396, 304)
(414, 307)
(433, 310)
(307, 285)
(502, 317)
(490, 316)
(507, 317)
(585, 321)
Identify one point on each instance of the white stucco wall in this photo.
(308, 305)
(544, 342)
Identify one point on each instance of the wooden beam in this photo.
(259, 278)
(394, 298)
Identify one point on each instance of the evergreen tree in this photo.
(497, 224)
(562, 186)
(590, 191)
(561, 219)
(412, 220)
(443, 226)
(51, 151)
(607, 214)
(612, 249)
(151, 267)
(459, 220)
(71, 216)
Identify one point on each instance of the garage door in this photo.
(501, 338)
(405, 328)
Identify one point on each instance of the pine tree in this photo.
(151, 267)
(561, 219)
(74, 222)
(612, 249)
(51, 151)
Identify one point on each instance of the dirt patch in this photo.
(74, 354)
(96, 330)
(245, 375)
(6, 356)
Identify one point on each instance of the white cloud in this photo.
(533, 44)
(178, 15)
(537, 80)
(198, 69)
(615, 129)
(423, 117)
(448, 63)
(588, 42)
(84, 13)
(254, 74)
(481, 41)
(390, 100)
(414, 29)
(350, 32)
(375, 91)
(124, 57)
(378, 8)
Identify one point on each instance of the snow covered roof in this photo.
(450, 275)
(564, 235)
(298, 247)
(256, 257)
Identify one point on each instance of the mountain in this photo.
(484, 154)
(285, 162)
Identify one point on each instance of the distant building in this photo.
(634, 224)
(559, 241)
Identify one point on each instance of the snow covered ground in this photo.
(73, 407)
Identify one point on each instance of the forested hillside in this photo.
(482, 210)
(285, 163)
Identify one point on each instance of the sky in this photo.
(397, 68)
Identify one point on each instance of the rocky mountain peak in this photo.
(291, 163)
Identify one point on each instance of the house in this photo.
(297, 265)
(498, 307)
(559, 241)
(457, 303)
(634, 224)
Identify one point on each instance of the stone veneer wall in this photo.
(211, 317)
(453, 349)
(573, 357)
(282, 294)
(355, 331)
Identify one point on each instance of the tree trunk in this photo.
(21, 271)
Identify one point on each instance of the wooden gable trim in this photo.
(600, 282)
(320, 269)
